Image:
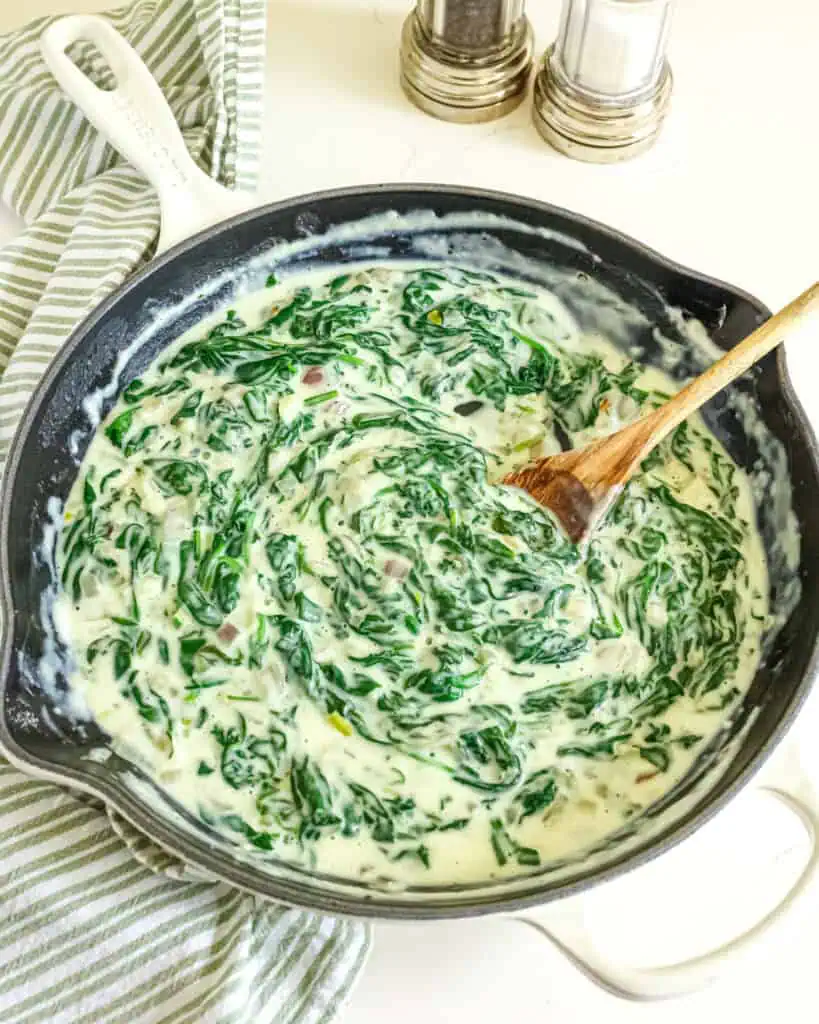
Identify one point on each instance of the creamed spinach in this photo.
(295, 595)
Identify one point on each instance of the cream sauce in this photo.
(296, 599)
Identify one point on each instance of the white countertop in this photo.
(731, 190)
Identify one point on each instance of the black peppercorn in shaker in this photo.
(466, 60)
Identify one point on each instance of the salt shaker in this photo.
(603, 89)
(466, 60)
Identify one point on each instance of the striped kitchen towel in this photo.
(97, 925)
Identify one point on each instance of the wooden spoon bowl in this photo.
(579, 486)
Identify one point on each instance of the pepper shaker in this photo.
(603, 89)
(466, 60)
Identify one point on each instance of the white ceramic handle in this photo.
(562, 924)
(136, 119)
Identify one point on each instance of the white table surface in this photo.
(731, 190)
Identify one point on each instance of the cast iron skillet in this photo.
(37, 734)
(638, 294)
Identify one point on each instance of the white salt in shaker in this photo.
(603, 88)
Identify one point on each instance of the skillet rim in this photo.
(312, 894)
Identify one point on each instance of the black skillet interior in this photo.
(40, 736)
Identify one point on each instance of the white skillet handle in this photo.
(563, 925)
(136, 119)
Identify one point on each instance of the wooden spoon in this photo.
(580, 485)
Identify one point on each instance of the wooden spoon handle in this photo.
(732, 365)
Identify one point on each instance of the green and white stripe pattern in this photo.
(97, 925)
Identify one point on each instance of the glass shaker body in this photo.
(470, 26)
